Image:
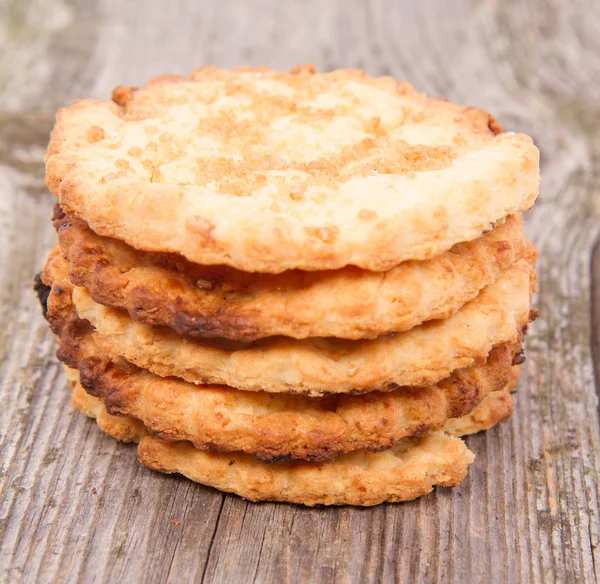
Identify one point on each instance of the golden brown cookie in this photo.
(217, 301)
(411, 469)
(268, 172)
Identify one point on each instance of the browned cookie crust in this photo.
(419, 357)
(411, 469)
(218, 301)
(276, 427)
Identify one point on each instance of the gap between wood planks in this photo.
(595, 316)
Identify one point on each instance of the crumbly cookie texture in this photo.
(497, 408)
(276, 427)
(494, 408)
(412, 468)
(120, 427)
(418, 357)
(217, 301)
(268, 172)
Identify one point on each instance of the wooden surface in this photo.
(76, 506)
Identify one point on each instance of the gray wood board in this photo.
(76, 506)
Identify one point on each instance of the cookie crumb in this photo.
(306, 68)
(95, 134)
(122, 94)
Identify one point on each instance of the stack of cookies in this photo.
(294, 286)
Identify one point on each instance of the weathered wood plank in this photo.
(528, 511)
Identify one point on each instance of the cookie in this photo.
(350, 303)
(268, 172)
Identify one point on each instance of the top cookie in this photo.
(267, 171)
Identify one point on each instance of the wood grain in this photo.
(75, 506)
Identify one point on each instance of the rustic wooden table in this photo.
(76, 506)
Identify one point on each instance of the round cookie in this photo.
(350, 303)
(268, 172)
